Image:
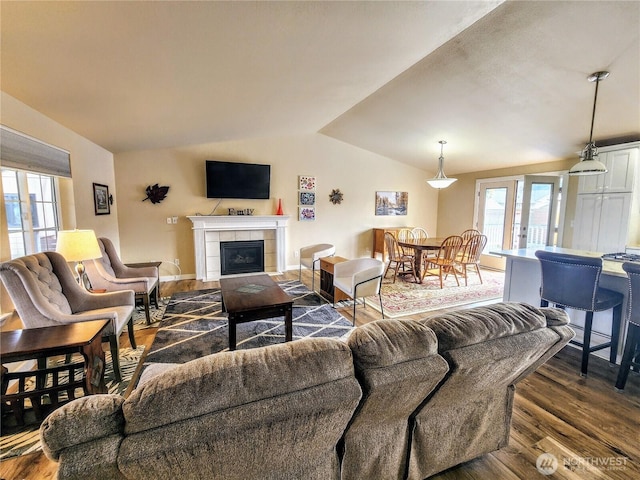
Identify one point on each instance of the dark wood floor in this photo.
(593, 431)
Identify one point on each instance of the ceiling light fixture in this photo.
(589, 164)
(441, 180)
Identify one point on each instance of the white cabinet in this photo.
(602, 222)
(620, 176)
(607, 205)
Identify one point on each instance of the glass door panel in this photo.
(537, 213)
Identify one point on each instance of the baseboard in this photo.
(173, 278)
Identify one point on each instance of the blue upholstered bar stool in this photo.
(631, 355)
(572, 281)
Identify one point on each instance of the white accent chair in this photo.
(45, 293)
(359, 278)
(310, 257)
(110, 274)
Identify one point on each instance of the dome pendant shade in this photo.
(589, 163)
(441, 180)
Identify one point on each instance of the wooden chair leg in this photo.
(586, 343)
(115, 358)
(132, 337)
(633, 336)
(615, 333)
(478, 270)
(145, 302)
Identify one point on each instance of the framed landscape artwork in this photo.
(392, 203)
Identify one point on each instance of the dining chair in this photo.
(310, 257)
(419, 233)
(572, 281)
(467, 234)
(631, 355)
(470, 256)
(397, 258)
(359, 278)
(405, 234)
(444, 260)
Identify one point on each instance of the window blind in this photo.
(26, 153)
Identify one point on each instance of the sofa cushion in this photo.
(476, 325)
(224, 380)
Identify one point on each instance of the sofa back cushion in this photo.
(398, 365)
(278, 410)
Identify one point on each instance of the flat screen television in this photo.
(237, 180)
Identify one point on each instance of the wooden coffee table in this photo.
(255, 297)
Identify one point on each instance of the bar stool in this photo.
(630, 358)
(572, 281)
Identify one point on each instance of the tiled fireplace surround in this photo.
(209, 231)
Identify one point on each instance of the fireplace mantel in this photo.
(206, 251)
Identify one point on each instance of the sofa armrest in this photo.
(80, 421)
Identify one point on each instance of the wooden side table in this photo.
(155, 294)
(327, 289)
(45, 342)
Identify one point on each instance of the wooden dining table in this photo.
(419, 246)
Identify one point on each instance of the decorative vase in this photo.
(279, 211)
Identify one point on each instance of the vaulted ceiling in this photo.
(504, 83)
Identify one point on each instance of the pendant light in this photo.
(589, 164)
(441, 180)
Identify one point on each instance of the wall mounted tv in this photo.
(237, 180)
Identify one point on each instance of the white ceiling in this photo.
(503, 83)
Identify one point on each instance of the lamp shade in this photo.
(78, 245)
(441, 180)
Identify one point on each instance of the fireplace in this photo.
(241, 257)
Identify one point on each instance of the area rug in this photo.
(155, 314)
(408, 298)
(194, 325)
(20, 440)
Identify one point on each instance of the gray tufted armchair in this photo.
(109, 273)
(45, 293)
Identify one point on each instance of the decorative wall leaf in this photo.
(156, 193)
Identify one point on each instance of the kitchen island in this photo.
(522, 284)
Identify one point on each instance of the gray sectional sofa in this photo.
(399, 399)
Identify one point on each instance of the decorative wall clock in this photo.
(335, 196)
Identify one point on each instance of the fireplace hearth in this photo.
(241, 257)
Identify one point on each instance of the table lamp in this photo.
(76, 246)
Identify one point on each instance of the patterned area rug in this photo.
(194, 325)
(156, 314)
(20, 440)
(408, 298)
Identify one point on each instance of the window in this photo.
(32, 211)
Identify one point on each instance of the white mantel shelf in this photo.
(220, 223)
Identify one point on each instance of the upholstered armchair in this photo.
(359, 278)
(310, 257)
(45, 293)
(110, 274)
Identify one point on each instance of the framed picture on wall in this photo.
(392, 203)
(307, 198)
(307, 213)
(101, 199)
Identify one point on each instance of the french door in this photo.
(518, 212)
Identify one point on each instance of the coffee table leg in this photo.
(288, 324)
(232, 333)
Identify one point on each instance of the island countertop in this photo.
(609, 267)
